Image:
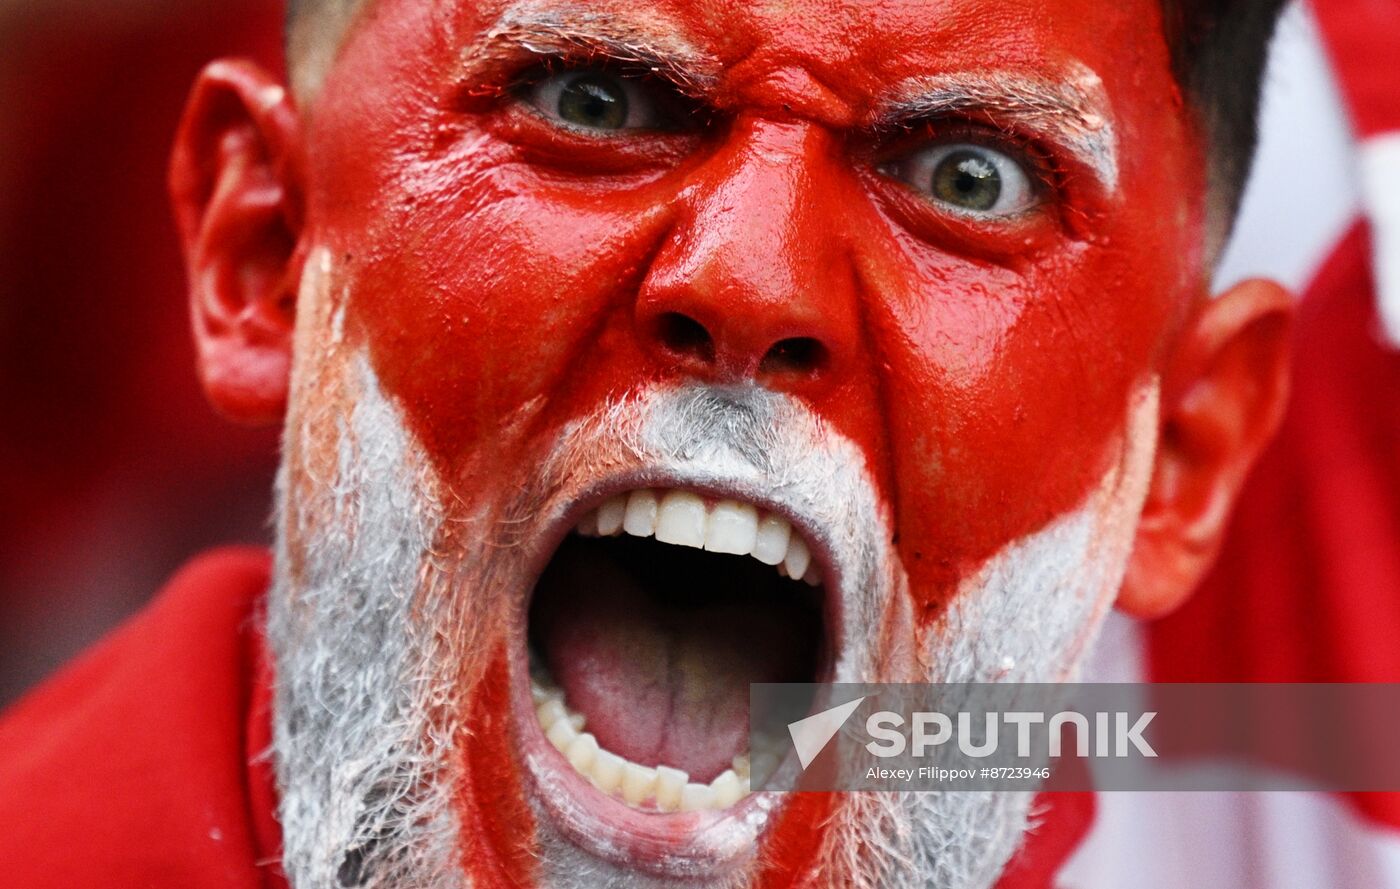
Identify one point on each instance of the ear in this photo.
(1223, 399)
(235, 185)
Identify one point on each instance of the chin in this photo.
(549, 687)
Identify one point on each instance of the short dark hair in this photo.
(1219, 49)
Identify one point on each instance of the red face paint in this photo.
(494, 259)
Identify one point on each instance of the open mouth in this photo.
(645, 630)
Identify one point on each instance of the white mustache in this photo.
(753, 444)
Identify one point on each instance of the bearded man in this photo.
(628, 356)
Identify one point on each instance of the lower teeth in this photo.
(642, 787)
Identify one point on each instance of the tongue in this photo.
(656, 646)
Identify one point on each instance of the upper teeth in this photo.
(685, 519)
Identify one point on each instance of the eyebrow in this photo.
(544, 30)
(1072, 112)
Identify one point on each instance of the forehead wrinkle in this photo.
(643, 40)
(1072, 111)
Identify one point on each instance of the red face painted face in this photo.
(957, 236)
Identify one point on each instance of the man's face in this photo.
(875, 291)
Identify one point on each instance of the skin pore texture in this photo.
(981, 416)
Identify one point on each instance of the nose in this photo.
(754, 282)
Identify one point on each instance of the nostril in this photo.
(795, 355)
(685, 336)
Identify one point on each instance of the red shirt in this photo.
(137, 765)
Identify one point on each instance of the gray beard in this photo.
(379, 633)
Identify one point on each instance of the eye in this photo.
(971, 179)
(600, 101)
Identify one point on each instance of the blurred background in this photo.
(113, 470)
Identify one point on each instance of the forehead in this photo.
(853, 50)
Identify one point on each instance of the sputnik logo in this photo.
(811, 735)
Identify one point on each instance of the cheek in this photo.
(501, 296)
(1006, 392)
